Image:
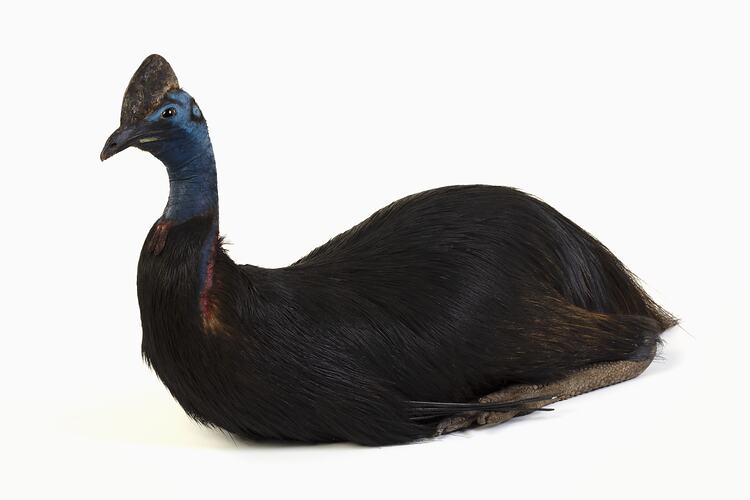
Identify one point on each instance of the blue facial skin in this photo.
(180, 140)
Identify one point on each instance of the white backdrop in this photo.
(632, 118)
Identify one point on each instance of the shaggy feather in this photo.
(409, 317)
(444, 296)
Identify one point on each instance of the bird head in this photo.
(157, 115)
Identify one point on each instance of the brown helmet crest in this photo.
(153, 79)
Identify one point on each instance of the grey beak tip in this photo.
(105, 152)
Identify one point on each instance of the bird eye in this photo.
(168, 113)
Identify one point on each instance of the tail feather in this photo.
(588, 275)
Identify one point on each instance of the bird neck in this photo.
(192, 179)
(192, 194)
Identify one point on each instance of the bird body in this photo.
(388, 331)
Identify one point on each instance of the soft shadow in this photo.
(142, 418)
(152, 418)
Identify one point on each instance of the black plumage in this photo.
(393, 328)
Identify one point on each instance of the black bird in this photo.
(449, 308)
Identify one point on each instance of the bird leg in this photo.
(581, 381)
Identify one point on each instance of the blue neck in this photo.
(192, 177)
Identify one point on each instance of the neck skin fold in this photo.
(192, 179)
(191, 166)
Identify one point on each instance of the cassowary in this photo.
(454, 307)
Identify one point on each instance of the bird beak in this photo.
(152, 80)
(126, 136)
